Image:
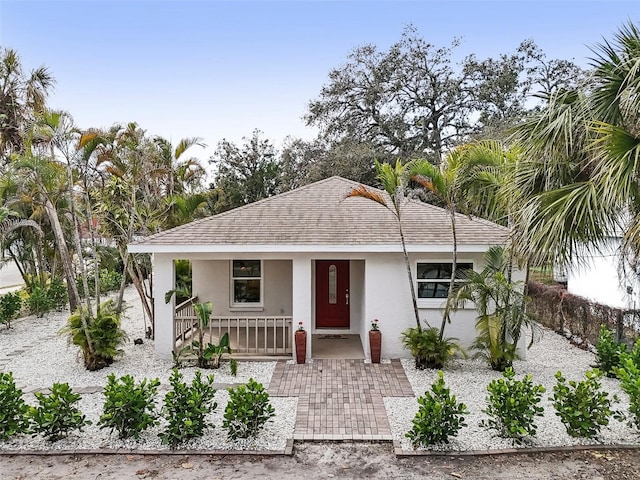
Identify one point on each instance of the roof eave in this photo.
(306, 248)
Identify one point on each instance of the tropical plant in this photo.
(56, 414)
(581, 168)
(608, 352)
(104, 331)
(512, 406)
(501, 306)
(439, 417)
(129, 408)
(248, 410)
(582, 406)
(10, 304)
(429, 349)
(629, 374)
(394, 181)
(208, 356)
(13, 409)
(38, 301)
(448, 182)
(186, 408)
(21, 97)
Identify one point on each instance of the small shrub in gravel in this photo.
(439, 417)
(13, 409)
(248, 410)
(10, 305)
(608, 352)
(233, 366)
(39, 302)
(582, 406)
(56, 414)
(633, 355)
(512, 406)
(629, 375)
(129, 408)
(57, 293)
(185, 408)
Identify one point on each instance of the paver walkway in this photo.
(340, 399)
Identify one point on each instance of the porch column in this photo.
(163, 281)
(302, 301)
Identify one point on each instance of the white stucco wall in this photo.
(388, 299)
(596, 277)
(211, 282)
(378, 289)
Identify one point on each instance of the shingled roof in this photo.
(320, 214)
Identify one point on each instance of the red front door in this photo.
(332, 293)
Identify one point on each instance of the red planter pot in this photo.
(375, 345)
(301, 346)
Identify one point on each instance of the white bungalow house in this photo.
(314, 257)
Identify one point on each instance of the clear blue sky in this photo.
(219, 69)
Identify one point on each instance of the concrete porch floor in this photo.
(347, 347)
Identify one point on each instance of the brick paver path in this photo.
(340, 399)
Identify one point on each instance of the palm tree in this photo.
(450, 183)
(21, 97)
(501, 306)
(583, 151)
(394, 180)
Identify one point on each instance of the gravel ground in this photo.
(468, 379)
(48, 358)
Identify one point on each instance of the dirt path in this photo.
(329, 460)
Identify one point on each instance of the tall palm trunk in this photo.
(446, 318)
(65, 258)
(410, 275)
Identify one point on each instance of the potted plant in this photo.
(375, 341)
(301, 344)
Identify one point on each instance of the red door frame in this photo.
(332, 312)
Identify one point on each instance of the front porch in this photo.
(261, 302)
(259, 336)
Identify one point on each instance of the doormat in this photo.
(332, 337)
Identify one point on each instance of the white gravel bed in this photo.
(468, 380)
(51, 359)
(272, 438)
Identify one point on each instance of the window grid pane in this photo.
(433, 279)
(247, 281)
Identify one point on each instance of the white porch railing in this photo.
(185, 319)
(248, 335)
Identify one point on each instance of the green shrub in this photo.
(56, 414)
(104, 331)
(13, 410)
(608, 352)
(10, 305)
(582, 406)
(233, 366)
(512, 406)
(129, 408)
(439, 417)
(629, 375)
(109, 280)
(39, 302)
(185, 408)
(247, 411)
(57, 293)
(633, 355)
(428, 349)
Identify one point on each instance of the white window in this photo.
(246, 282)
(434, 278)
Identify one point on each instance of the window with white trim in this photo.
(434, 278)
(246, 282)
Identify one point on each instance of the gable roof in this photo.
(321, 214)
